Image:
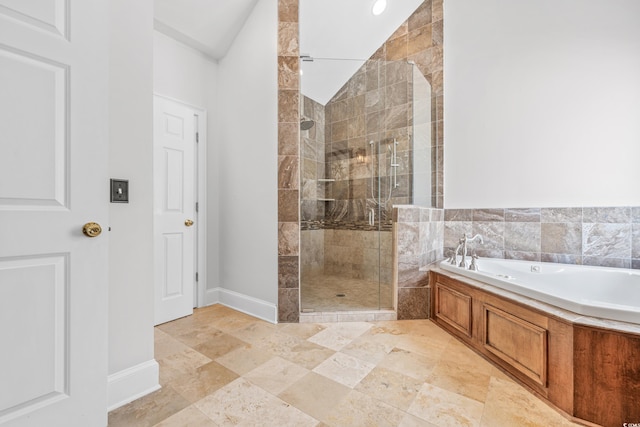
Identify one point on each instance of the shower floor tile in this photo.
(321, 293)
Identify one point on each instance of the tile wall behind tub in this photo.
(600, 236)
(419, 237)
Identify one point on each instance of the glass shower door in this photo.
(355, 165)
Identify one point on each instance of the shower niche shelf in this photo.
(322, 199)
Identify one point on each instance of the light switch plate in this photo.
(119, 191)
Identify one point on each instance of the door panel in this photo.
(174, 182)
(174, 172)
(37, 88)
(173, 271)
(46, 15)
(40, 342)
(53, 175)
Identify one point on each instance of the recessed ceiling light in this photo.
(378, 7)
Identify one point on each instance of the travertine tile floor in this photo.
(219, 367)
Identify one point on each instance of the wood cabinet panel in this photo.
(607, 376)
(521, 344)
(560, 365)
(453, 308)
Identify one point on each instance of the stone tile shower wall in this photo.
(352, 254)
(288, 162)
(376, 105)
(312, 152)
(419, 39)
(334, 246)
(600, 236)
(419, 238)
(355, 254)
(371, 111)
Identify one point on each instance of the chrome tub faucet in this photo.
(462, 249)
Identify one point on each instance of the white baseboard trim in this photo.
(252, 306)
(211, 296)
(132, 383)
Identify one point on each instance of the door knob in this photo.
(188, 223)
(91, 229)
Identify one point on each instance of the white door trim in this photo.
(201, 197)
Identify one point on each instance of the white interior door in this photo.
(53, 180)
(174, 206)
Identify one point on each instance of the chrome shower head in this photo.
(306, 124)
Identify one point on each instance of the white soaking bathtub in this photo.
(607, 293)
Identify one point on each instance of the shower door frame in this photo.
(330, 180)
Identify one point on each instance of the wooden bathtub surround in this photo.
(511, 336)
(590, 374)
(520, 343)
(454, 308)
(607, 375)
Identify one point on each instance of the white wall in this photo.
(183, 73)
(187, 75)
(132, 369)
(247, 138)
(542, 103)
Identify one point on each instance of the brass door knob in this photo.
(91, 229)
(188, 223)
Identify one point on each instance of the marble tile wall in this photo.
(600, 236)
(312, 143)
(311, 252)
(419, 39)
(350, 254)
(356, 254)
(373, 106)
(288, 162)
(418, 238)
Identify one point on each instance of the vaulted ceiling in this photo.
(337, 29)
(209, 26)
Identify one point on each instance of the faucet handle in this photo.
(473, 266)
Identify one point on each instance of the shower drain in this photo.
(341, 295)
